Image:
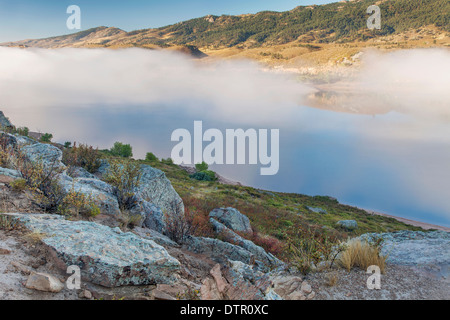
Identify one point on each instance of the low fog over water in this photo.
(392, 154)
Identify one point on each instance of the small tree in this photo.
(122, 150)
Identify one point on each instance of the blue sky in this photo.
(24, 19)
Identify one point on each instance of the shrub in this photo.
(167, 161)
(125, 177)
(151, 157)
(201, 166)
(76, 203)
(47, 137)
(308, 245)
(42, 181)
(82, 156)
(179, 224)
(270, 244)
(122, 150)
(5, 152)
(204, 176)
(23, 131)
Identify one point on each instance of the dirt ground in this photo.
(15, 249)
(398, 283)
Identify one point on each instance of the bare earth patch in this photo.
(28, 257)
(398, 283)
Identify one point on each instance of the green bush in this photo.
(23, 131)
(201, 166)
(207, 175)
(82, 156)
(47, 137)
(203, 174)
(167, 161)
(151, 157)
(122, 150)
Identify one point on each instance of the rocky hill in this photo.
(137, 232)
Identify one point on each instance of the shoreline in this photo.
(423, 225)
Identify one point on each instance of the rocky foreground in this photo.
(36, 249)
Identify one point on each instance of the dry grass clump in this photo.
(35, 237)
(332, 278)
(362, 254)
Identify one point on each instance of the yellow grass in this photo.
(35, 237)
(362, 255)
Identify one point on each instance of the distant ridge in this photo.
(338, 22)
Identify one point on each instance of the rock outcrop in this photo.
(430, 250)
(106, 256)
(218, 250)
(237, 281)
(4, 121)
(233, 219)
(49, 155)
(292, 287)
(154, 190)
(262, 258)
(157, 189)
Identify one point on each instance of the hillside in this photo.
(147, 230)
(341, 22)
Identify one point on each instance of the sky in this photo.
(30, 19)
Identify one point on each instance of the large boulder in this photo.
(233, 219)
(157, 189)
(100, 192)
(152, 216)
(48, 154)
(154, 188)
(263, 259)
(106, 256)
